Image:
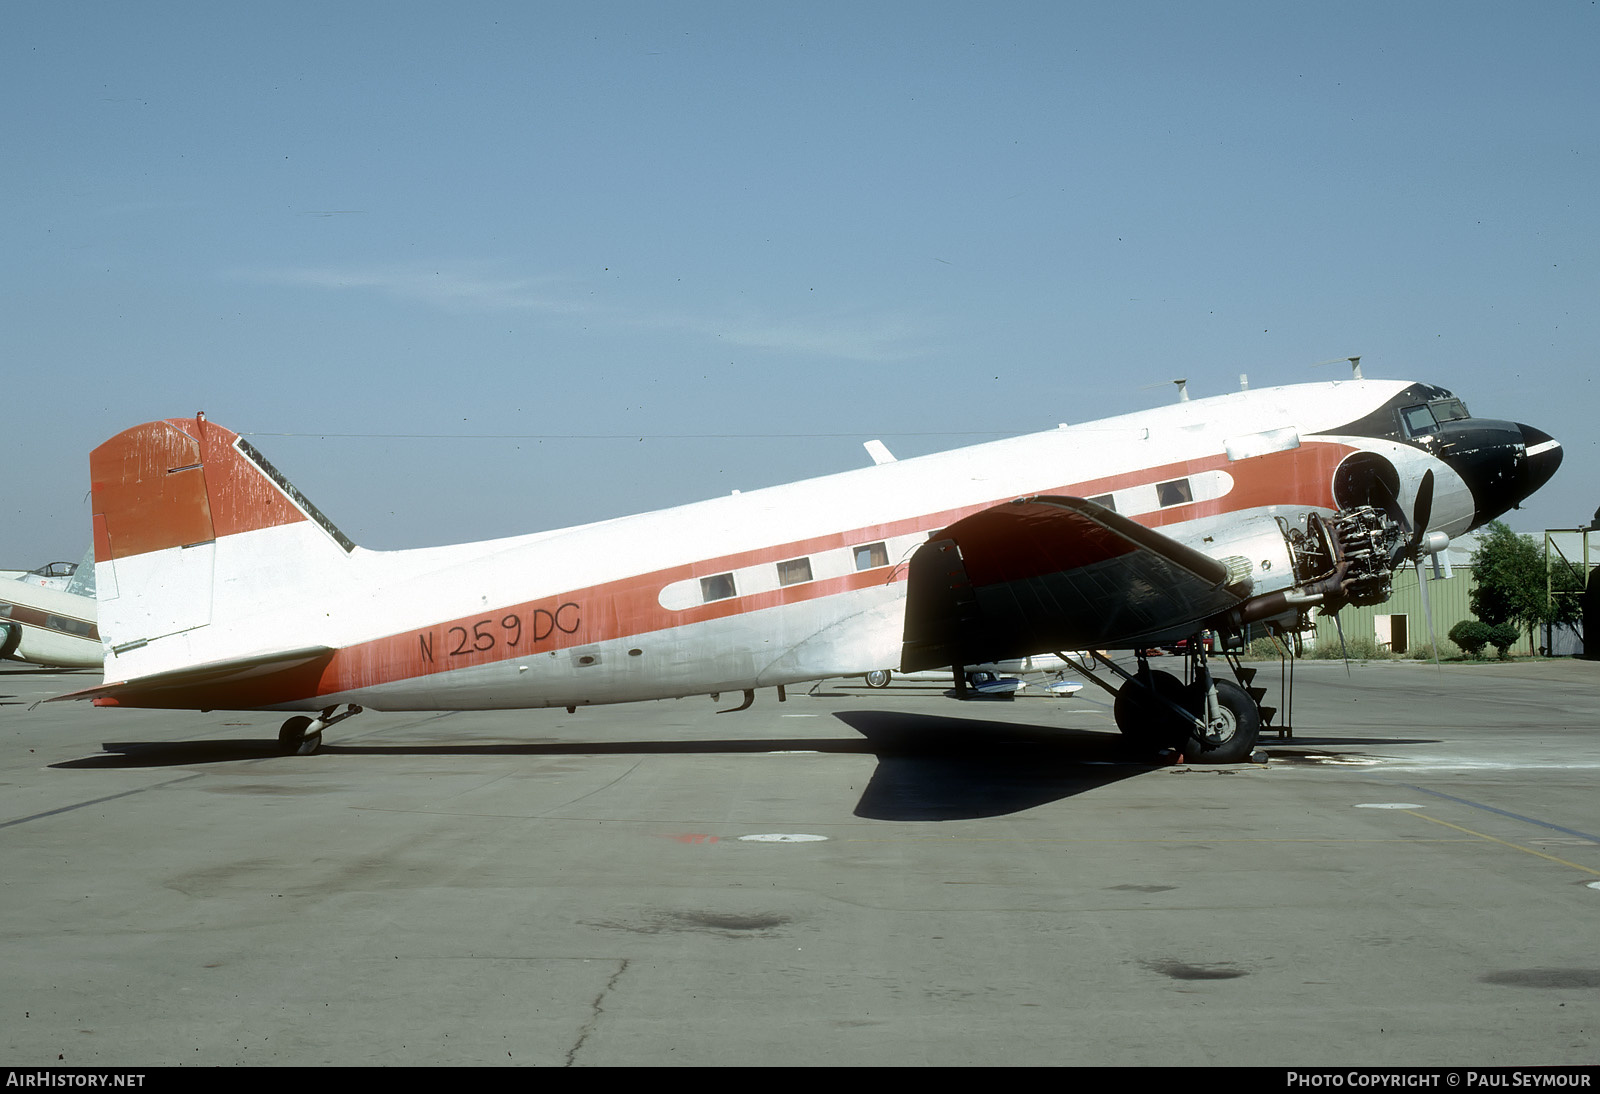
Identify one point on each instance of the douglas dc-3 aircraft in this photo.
(222, 587)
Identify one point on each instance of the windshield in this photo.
(1418, 421)
(82, 583)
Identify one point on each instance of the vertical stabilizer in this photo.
(191, 528)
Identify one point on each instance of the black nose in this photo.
(1501, 462)
(1544, 456)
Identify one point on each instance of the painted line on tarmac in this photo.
(1506, 813)
(94, 801)
(1505, 843)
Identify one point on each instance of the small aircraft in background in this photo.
(47, 616)
(222, 587)
(52, 575)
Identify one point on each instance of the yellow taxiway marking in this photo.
(1504, 843)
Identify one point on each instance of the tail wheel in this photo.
(293, 740)
(879, 678)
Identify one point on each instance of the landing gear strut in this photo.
(1206, 720)
(301, 736)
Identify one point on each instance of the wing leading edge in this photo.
(1050, 573)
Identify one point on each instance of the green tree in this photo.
(1502, 636)
(1513, 584)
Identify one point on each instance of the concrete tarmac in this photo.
(852, 877)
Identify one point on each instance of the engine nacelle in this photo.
(1349, 557)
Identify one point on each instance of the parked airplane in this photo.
(47, 616)
(52, 575)
(222, 587)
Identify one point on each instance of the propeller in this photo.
(1418, 546)
(1419, 543)
(1422, 512)
(1427, 611)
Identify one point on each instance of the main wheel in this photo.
(1232, 737)
(1147, 724)
(293, 740)
(879, 678)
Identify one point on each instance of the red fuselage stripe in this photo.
(631, 606)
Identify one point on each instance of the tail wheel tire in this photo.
(879, 678)
(293, 740)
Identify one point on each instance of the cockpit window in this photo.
(1418, 420)
(1449, 410)
(82, 583)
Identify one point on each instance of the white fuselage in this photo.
(773, 586)
(57, 627)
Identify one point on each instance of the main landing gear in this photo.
(301, 736)
(1203, 720)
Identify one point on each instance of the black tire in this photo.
(1235, 739)
(293, 740)
(1148, 725)
(878, 678)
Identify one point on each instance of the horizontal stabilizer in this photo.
(238, 681)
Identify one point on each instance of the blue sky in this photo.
(500, 267)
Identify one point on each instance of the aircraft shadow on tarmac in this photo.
(933, 767)
(930, 768)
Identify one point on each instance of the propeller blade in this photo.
(1427, 612)
(1423, 511)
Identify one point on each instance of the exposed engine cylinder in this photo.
(1349, 557)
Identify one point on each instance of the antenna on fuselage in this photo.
(1183, 388)
(1244, 381)
(1355, 365)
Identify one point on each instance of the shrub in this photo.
(1503, 636)
(1262, 649)
(1423, 651)
(1361, 647)
(1472, 636)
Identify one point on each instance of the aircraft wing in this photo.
(1051, 573)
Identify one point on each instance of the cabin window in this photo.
(1176, 492)
(1418, 420)
(69, 626)
(870, 555)
(1106, 501)
(794, 571)
(716, 587)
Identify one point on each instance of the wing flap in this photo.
(1049, 573)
